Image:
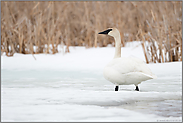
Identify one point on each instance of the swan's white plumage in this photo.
(125, 70)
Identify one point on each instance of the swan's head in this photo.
(111, 32)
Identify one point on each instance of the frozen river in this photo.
(71, 87)
(50, 95)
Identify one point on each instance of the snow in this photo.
(71, 87)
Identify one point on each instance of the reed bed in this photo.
(40, 27)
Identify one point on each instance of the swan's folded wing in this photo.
(129, 65)
(141, 66)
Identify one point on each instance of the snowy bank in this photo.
(71, 87)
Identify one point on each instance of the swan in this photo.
(125, 70)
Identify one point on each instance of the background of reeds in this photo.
(40, 27)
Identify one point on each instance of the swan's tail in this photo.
(139, 77)
(152, 76)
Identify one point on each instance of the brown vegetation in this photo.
(45, 25)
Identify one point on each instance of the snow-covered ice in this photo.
(71, 87)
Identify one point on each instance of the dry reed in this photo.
(39, 27)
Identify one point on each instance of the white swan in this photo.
(125, 70)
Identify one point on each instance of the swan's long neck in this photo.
(117, 46)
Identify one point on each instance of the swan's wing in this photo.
(121, 65)
(141, 66)
(128, 65)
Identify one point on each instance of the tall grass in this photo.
(40, 27)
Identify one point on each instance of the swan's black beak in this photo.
(105, 32)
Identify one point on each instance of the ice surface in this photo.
(71, 87)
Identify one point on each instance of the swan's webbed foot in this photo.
(137, 88)
(116, 88)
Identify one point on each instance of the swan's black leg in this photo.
(116, 88)
(137, 88)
